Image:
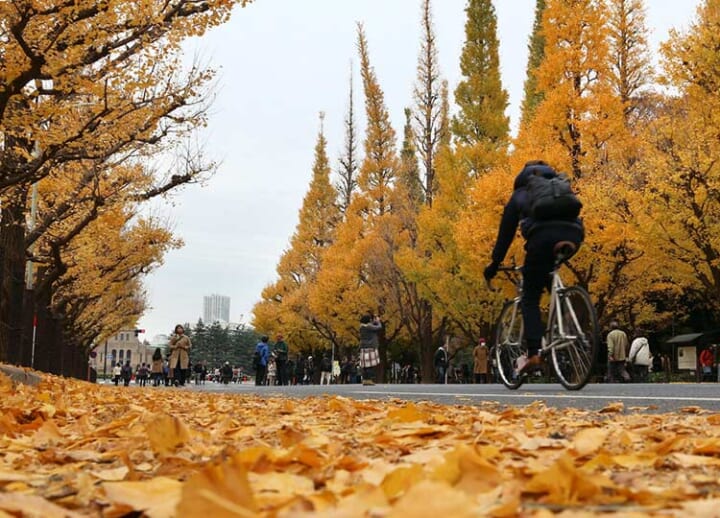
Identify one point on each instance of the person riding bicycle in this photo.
(541, 238)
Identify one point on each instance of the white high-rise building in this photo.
(216, 308)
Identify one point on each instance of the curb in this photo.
(20, 375)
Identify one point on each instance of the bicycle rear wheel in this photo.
(576, 349)
(508, 344)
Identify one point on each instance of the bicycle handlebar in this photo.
(509, 271)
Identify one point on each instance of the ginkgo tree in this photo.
(480, 132)
(360, 274)
(84, 81)
(683, 173)
(285, 306)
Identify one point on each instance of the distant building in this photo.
(122, 347)
(216, 308)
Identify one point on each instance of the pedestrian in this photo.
(197, 372)
(117, 373)
(142, 374)
(543, 232)
(126, 373)
(280, 350)
(309, 371)
(480, 359)
(166, 371)
(617, 345)
(325, 370)
(639, 359)
(370, 328)
(156, 368)
(441, 362)
(666, 366)
(272, 371)
(706, 364)
(226, 373)
(262, 355)
(299, 371)
(179, 356)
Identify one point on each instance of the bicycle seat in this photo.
(564, 250)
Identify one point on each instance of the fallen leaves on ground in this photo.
(68, 448)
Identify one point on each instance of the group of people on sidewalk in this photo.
(271, 366)
(627, 361)
(175, 371)
(481, 364)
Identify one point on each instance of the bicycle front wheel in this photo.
(508, 344)
(575, 349)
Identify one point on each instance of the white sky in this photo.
(281, 62)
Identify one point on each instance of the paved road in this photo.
(636, 397)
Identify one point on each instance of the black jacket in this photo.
(517, 212)
(440, 359)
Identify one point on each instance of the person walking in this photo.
(280, 350)
(639, 359)
(480, 362)
(126, 373)
(617, 345)
(179, 346)
(142, 374)
(156, 368)
(299, 372)
(325, 370)
(441, 363)
(262, 356)
(543, 232)
(370, 328)
(117, 373)
(706, 364)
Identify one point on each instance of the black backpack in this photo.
(257, 359)
(551, 197)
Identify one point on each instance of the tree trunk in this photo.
(427, 346)
(12, 275)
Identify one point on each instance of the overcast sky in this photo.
(281, 62)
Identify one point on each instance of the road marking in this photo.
(511, 395)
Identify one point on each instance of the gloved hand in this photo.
(491, 271)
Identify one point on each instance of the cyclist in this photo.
(541, 237)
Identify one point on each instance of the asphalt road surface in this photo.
(651, 397)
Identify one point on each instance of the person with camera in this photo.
(370, 327)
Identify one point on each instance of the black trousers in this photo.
(260, 373)
(179, 374)
(281, 372)
(539, 261)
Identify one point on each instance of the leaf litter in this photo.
(68, 448)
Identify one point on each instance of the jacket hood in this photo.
(521, 179)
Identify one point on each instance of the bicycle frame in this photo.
(555, 316)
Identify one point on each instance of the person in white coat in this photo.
(639, 359)
(116, 372)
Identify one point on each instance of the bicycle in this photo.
(571, 336)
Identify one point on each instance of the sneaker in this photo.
(368, 382)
